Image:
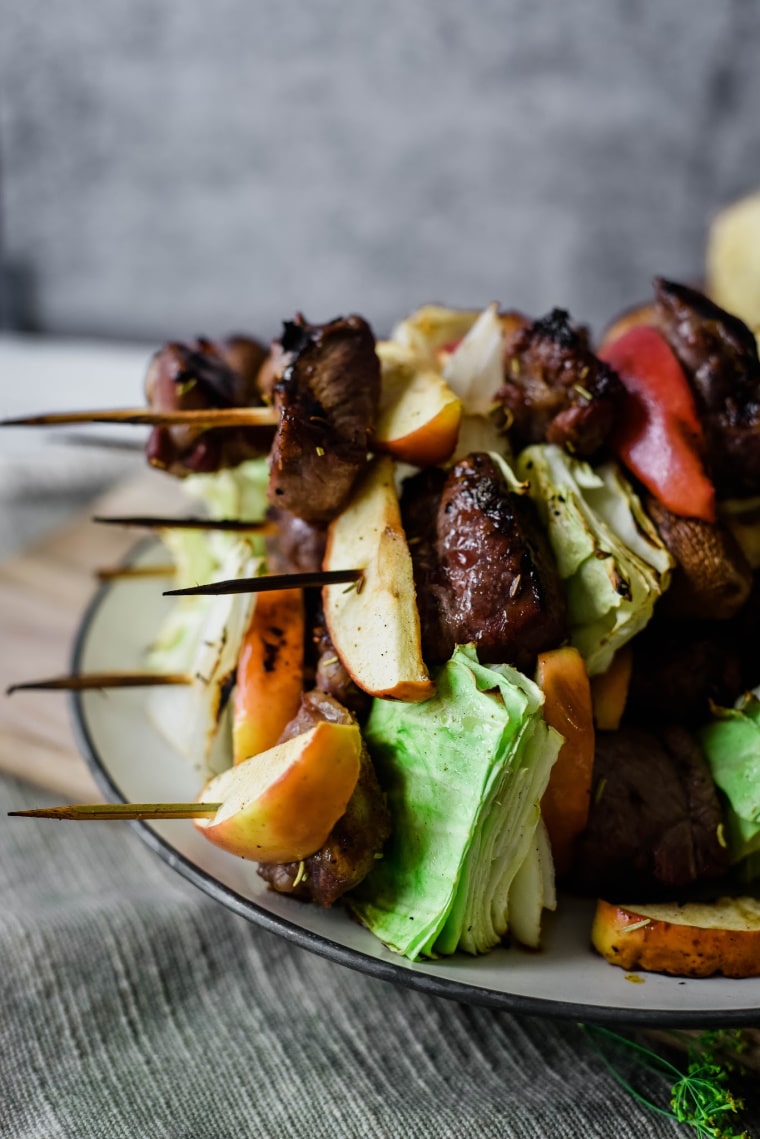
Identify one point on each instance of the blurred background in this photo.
(169, 168)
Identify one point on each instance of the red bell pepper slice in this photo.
(659, 436)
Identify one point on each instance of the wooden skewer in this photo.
(94, 812)
(269, 582)
(204, 418)
(81, 682)
(79, 439)
(117, 573)
(150, 522)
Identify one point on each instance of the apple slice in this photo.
(433, 328)
(280, 805)
(419, 415)
(693, 939)
(375, 626)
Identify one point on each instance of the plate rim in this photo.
(355, 959)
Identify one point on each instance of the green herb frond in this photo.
(700, 1097)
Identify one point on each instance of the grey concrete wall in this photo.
(172, 167)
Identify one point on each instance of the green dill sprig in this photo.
(700, 1097)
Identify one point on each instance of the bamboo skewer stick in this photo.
(79, 439)
(119, 573)
(269, 582)
(151, 522)
(98, 812)
(82, 682)
(204, 418)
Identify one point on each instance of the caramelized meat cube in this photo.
(719, 356)
(555, 389)
(295, 546)
(484, 571)
(655, 816)
(201, 375)
(327, 396)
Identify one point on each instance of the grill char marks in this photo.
(200, 375)
(349, 852)
(719, 355)
(555, 389)
(327, 396)
(484, 572)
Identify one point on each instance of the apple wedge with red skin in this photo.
(280, 805)
(419, 415)
(374, 625)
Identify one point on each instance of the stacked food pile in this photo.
(482, 606)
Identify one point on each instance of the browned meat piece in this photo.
(295, 546)
(555, 389)
(719, 355)
(487, 574)
(348, 855)
(654, 817)
(200, 375)
(420, 501)
(679, 668)
(327, 397)
(712, 579)
(331, 676)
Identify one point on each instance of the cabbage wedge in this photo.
(464, 773)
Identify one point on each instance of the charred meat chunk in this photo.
(680, 668)
(348, 855)
(655, 816)
(555, 389)
(719, 356)
(331, 675)
(327, 397)
(201, 375)
(484, 571)
(294, 546)
(420, 502)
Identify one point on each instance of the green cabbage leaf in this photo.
(731, 743)
(612, 560)
(464, 773)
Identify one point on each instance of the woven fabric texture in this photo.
(134, 1006)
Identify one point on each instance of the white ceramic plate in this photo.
(131, 761)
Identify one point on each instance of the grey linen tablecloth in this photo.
(133, 1005)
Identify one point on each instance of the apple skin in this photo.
(419, 415)
(375, 627)
(691, 940)
(280, 805)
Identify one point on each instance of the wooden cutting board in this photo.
(43, 593)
